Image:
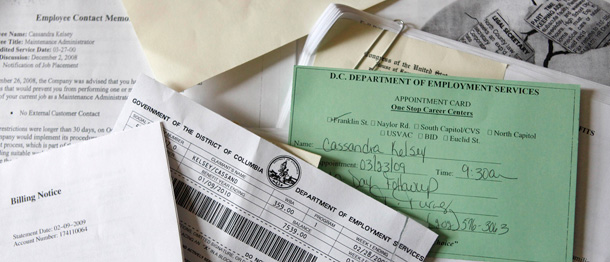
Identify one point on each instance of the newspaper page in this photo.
(514, 24)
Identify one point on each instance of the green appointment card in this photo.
(489, 165)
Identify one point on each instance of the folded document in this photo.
(243, 198)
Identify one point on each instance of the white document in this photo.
(591, 229)
(109, 199)
(66, 68)
(241, 198)
(252, 93)
(414, 12)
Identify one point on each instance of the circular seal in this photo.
(283, 172)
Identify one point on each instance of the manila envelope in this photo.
(189, 41)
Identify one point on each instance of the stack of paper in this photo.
(454, 160)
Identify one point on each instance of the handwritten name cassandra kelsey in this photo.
(399, 149)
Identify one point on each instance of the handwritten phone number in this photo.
(469, 225)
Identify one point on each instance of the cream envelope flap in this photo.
(189, 41)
